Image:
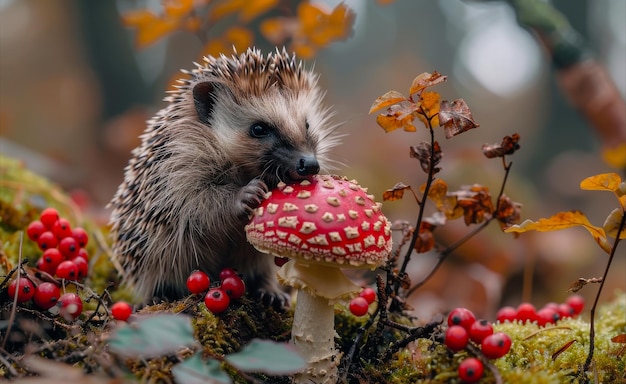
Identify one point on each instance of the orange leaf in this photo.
(615, 156)
(430, 103)
(152, 32)
(252, 9)
(389, 98)
(456, 117)
(138, 18)
(425, 80)
(445, 203)
(563, 220)
(602, 182)
(225, 8)
(239, 37)
(276, 30)
(621, 338)
(397, 116)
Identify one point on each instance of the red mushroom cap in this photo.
(326, 219)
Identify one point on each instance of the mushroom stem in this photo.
(313, 334)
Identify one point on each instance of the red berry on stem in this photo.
(71, 306)
(35, 229)
(368, 294)
(121, 310)
(479, 330)
(24, 288)
(48, 217)
(456, 338)
(565, 310)
(506, 313)
(234, 287)
(577, 302)
(216, 300)
(67, 270)
(83, 266)
(47, 240)
(526, 312)
(461, 316)
(198, 282)
(69, 247)
(226, 272)
(471, 370)
(496, 345)
(81, 236)
(359, 306)
(51, 259)
(46, 295)
(62, 228)
(547, 316)
(82, 253)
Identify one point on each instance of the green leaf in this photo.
(195, 370)
(152, 336)
(268, 357)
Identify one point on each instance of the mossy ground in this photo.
(82, 344)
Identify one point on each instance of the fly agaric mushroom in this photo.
(322, 224)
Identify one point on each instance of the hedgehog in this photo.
(231, 131)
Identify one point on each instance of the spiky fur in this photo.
(191, 184)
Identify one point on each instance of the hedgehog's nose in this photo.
(307, 166)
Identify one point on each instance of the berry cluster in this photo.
(463, 328)
(360, 304)
(218, 297)
(63, 247)
(548, 314)
(45, 296)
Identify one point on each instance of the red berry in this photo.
(48, 217)
(565, 311)
(470, 370)
(198, 282)
(547, 316)
(62, 228)
(69, 247)
(461, 316)
(506, 313)
(526, 312)
(552, 305)
(456, 338)
(67, 270)
(280, 261)
(359, 306)
(479, 330)
(577, 302)
(83, 266)
(216, 300)
(368, 294)
(35, 229)
(82, 253)
(43, 267)
(234, 287)
(71, 306)
(121, 310)
(47, 240)
(24, 287)
(81, 236)
(46, 295)
(51, 259)
(226, 272)
(496, 345)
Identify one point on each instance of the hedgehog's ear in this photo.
(203, 98)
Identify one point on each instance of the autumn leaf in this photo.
(455, 117)
(602, 182)
(581, 282)
(396, 192)
(476, 204)
(426, 154)
(613, 222)
(621, 338)
(563, 220)
(429, 107)
(252, 9)
(425, 80)
(397, 116)
(386, 100)
(138, 18)
(508, 146)
(509, 212)
(615, 156)
(445, 203)
(425, 240)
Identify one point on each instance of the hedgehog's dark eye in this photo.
(306, 125)
(259, 130)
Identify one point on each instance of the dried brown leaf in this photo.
(427, 154)
(425, 80)
(508, 146)
(455, 117)
(396, 192)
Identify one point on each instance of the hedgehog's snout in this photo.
(307, 166)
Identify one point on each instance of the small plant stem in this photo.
(592, 331)
(422, 205)
(446, 252)
(486, 362)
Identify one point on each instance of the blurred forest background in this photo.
(75, 91)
